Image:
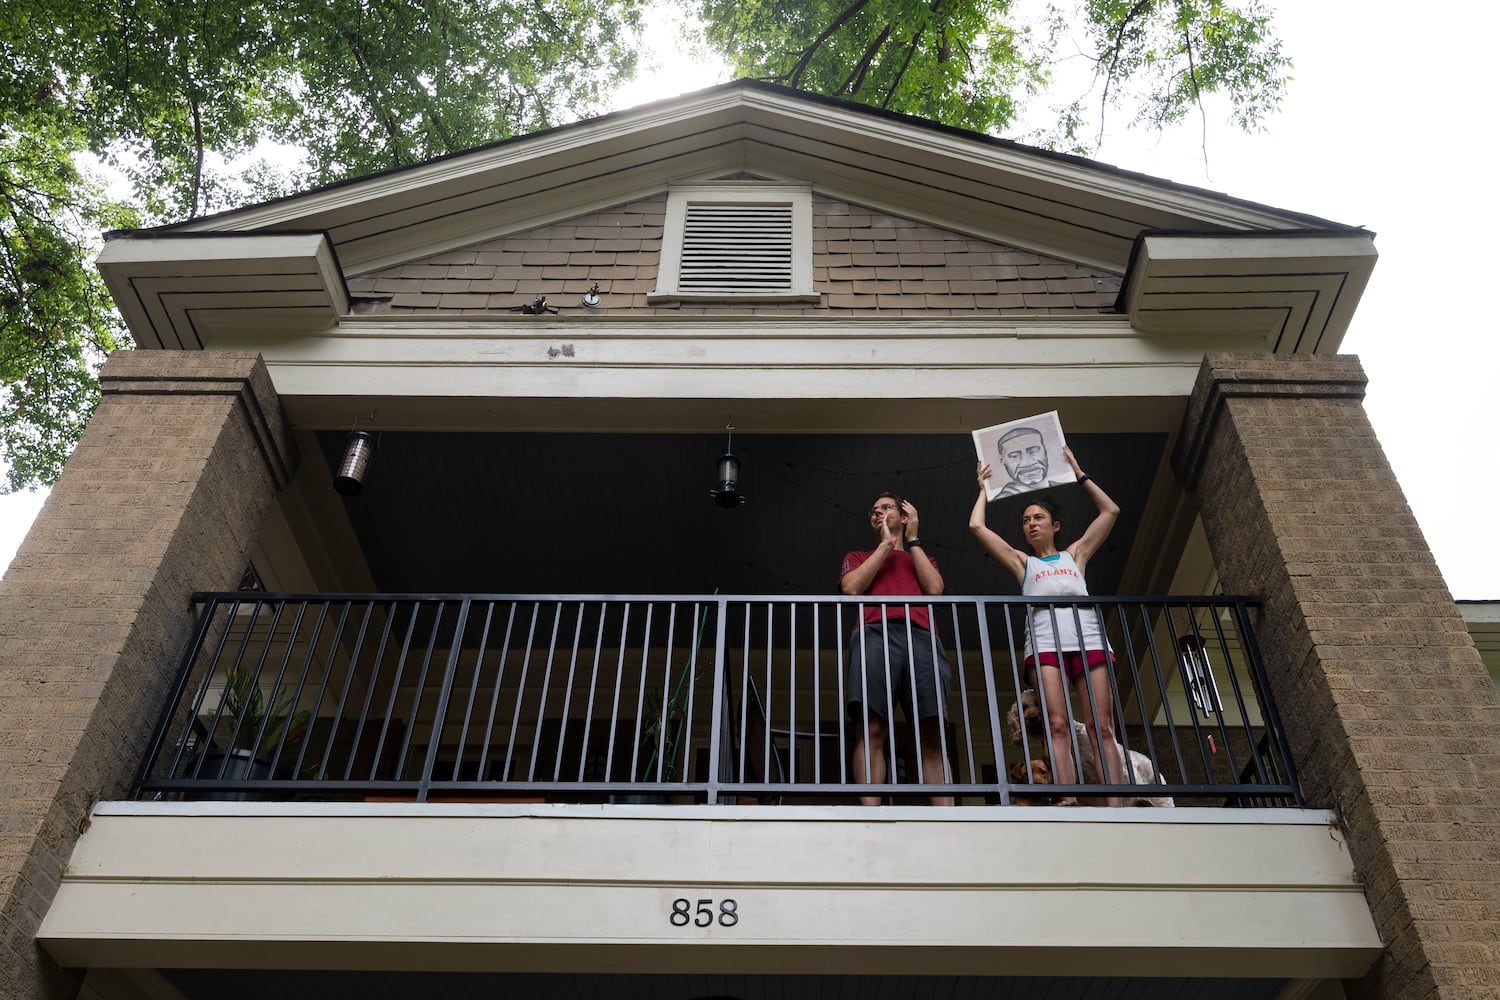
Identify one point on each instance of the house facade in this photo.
(421, 466)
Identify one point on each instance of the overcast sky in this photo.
(1381, 128)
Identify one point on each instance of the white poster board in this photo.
(1024, 455)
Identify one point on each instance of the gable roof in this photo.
(1053, 204)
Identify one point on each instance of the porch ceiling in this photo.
(631, 513)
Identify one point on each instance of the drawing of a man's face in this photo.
(1024, 456)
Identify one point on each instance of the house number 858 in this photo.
(683, 913)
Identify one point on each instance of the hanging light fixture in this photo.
(728, 495)
(358, 447)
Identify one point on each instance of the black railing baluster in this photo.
(614, 708)
(424, 778)
(680, 746)
(839, 659)
(317, 705)
(588, 711)
(1149, 634)
(567, 708)
(463, 731)
(963, 694)
(760, 717)
(390, 708)
(1269, 713)
(1182, 673)
(206, 681)
(716, 727)
(768, 704)
(349, 675)
(1215, 707)
(296, 693)
(818, 688)
(252, 683)
(364, 711)
(179, 685)
(541, 708)
(489, 721)
(640, 696)
(1127, 652)
(515, 721)
(791, 707)
(997, 739)
(445, 691)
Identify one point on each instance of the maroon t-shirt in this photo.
(897, 578)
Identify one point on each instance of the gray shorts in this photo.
(881, 649)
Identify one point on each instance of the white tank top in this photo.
(1058, 576)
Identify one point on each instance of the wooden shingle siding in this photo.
(864, 263)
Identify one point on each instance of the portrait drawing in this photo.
(1026, 455)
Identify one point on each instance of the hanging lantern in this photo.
(350, 480)
(727, 495)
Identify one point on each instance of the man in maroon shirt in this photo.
(893, 655)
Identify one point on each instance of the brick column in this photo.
(163, 496)
(1392, 718)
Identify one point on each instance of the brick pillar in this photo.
(1392, 718)
(163, 496)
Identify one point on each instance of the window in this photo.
(737, 241)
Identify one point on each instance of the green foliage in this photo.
(469, 72)
(182, 100)
(260, 729)
(177, 98)
(56, 319)
(953, 61)
(976, 63)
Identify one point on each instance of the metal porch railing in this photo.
(715, 699)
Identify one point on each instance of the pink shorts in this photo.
(1073, 660)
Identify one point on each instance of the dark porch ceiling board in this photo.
(256, 984)
(631, 513)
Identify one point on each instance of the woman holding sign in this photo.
(1059, 640)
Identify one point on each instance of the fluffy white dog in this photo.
(1141, 770)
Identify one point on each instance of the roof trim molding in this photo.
(1299, 289)
(181, 292)
(990, 188)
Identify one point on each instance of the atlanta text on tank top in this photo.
(1058, 576)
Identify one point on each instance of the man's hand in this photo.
(887, 537)
(910, 513)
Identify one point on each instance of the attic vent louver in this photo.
(736, 248)
(736, 240)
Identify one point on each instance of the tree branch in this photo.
(1114, 61)
(856, 77)
(391, 132)
(911, 51)
(794, 77)
(1187, 41)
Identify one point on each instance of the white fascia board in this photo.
(1043, 891)
(1187, 283)
(961, 370)
(148, 276)
(1255, 253)
(479, 168)
(1086, 179)
(726, 109)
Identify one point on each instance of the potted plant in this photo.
(258, 731)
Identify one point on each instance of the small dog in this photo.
(1039, 772)
(1142, 772)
